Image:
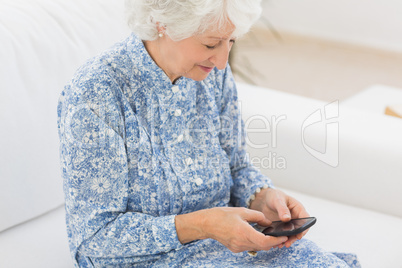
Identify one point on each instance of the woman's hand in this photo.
(230, 226)
(276, 205)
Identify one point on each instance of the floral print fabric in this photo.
(136, 150)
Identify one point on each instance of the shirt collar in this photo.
(141, 58)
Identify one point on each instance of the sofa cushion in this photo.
(43, 42)
(374, 237)
(38, 243)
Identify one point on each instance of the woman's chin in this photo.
(198, 76)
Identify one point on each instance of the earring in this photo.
(160, 35)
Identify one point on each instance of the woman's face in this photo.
(196, 56)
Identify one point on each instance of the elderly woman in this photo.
(153, 150)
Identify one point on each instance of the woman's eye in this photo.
(214, 46)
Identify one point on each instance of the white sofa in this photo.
(355, 192)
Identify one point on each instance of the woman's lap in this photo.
(302, 253)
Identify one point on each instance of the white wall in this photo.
(374, 23)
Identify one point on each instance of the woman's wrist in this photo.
(257, 192)
(190, 227)
(259, 198)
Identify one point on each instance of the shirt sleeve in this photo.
(246, 178)
(94, 164)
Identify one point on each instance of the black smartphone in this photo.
(292, 227)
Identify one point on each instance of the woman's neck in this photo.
(154, 51)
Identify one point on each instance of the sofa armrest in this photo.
(369, 148)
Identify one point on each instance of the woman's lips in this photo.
(206, 69)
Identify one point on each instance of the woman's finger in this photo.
(264, 242)
(254, 216)
(282, 209)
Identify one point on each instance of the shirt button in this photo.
(189, 161)
(199, 181)
(177, 112)
(175, 89)
(180, 138)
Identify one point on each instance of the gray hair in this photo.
(185, 18)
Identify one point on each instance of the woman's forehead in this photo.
(223, 33)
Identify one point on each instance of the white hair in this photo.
(185, 18)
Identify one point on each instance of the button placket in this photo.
(192, 173)
(189, 161)
(177, 113)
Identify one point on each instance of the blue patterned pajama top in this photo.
(136, 150)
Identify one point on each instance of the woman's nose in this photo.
(220, 58)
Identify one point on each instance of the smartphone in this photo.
(292, 227)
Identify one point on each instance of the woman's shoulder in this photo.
(105, 74)
(113, 63)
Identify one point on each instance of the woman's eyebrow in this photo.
(220, 38)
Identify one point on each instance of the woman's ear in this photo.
(161, 29)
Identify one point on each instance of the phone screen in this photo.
(292, 227)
